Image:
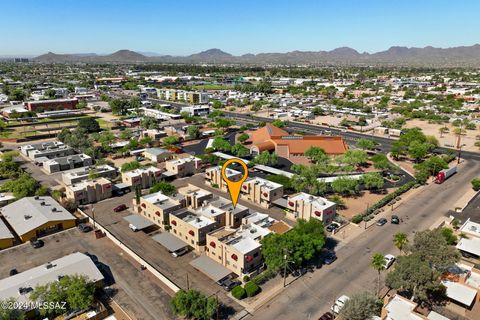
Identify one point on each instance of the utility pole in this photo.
(459, 144)
(285, 268)
(93, 215)
(188, 283)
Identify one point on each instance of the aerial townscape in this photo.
(266, 183)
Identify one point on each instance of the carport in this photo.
(169, 241)
(138, 222)
(212, 269)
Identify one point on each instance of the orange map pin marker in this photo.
(234, 186)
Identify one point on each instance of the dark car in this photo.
(329, 258)
(327, 316)
(395, 220)
(13, 272)
(332, 226)
(84, 227)
(228, 284)
(299, 272)
(36, 243)
(120, 208)
(381, 222)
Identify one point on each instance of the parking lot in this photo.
(138, 292)
(178, 270)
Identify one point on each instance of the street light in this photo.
(92, 210)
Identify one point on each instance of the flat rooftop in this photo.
(160, 200)
(314, 200)
(264, 183)
(140, 171)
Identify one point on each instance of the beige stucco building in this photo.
(89, 191)
(142, 177)
(305, 206)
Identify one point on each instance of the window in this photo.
(255, 254)
(192, 242)
(174, 231)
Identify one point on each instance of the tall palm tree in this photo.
(378, 263)
(400, 240)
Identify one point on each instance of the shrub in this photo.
(239, 293)
(264, 277)
(246, 278)
(476, 184)
(251, 289)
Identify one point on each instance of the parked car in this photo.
(84, 227)
(36, 243)
(381, 222)
(299, 272)
(133, 227)
(395, 219)
(228, 284)
(327, 316)
(389, 260)
(332, 226)
(180, 252)
(329, 258)
(120, 208)
(13, 272)
(339, 303)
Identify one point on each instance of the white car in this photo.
(389, 260)
(339, 303)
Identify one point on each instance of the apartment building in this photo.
(157, 207)
(213, 176)
(46, 150)
(91, 191)
(194, 196)
(159, 115)
(142, 177)
(239, 250)
(305, 206)
(197, 97)
(157, 154)
(67, 163)
(192, 227)
(261, 191)
(183, 167)
(81, 174)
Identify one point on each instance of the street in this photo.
(313, 295)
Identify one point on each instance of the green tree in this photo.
(443, 130)
(449, 235)
(266, 158)
(192, 304)
(118, 106)
(243, 137)
(476, 184)
(224, 123)
(361, 306)
(129, 166)
(413, 276)
(50, 94)
(77, 291)
(217, 104)
(126, 134)
(17, 94)
(170, 141)
(11, 313)
(378, 264)
(432, 247)
(283, 180)
(89, 124)
(355, 157)
(23, 186)
(193, 132)
(316, 155)
(380, 161)
(418, 150)
(221, 144)
(366, 144)
(278, 123)
(373, 181)
(400, 240)
(345, 185)
(166, 188)
(240, 151)
(149, 123)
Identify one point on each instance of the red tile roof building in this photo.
(271, 138)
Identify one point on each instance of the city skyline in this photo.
(186, 28)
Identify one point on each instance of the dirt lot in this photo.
(358, 204)
(447, 139)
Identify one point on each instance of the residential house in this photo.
(305, 206)
(89, 191)
(142, 177)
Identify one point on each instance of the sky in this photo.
(183, 27)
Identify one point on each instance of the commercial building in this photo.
(21, 285)
(90, 191)
(305, 206)
(157, 207)
(143, 177)
(196, 111)
(261, 191)
(239, 250)
(197, 97)
(183, 167)
(159, 115)
(81, 174)
(50, 105)
(32, 217)
(271, 138)
(6, 237)
(67, 163)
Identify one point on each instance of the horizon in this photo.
(181, 29)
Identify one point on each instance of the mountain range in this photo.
(427, 56)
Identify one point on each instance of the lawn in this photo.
(211, 87)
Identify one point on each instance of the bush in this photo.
(264, 277)
(246, 278)
(239, 293)
(476, 184)
(251, 289)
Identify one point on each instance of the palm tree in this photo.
(378, 263)
(400, 240)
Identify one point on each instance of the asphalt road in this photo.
(313, 294)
